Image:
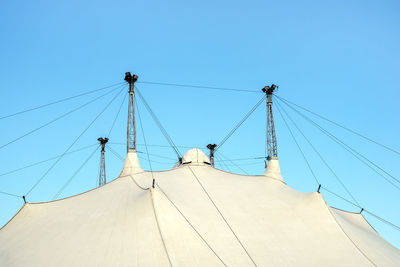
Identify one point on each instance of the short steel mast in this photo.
(212, 147)
(131, 129)
(102, 175)
(272, 145)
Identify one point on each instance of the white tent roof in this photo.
(123, 223)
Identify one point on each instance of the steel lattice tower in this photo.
(131, 129)
(102, 175)
(272, 145)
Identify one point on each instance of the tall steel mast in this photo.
(272, 145)
(131, 127)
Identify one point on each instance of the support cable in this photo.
(46, 160)
(341, 126)
(223, 163)
(349, 149)
(242, 164)
(122, 159)
(383, 220)
(9, 194)
(116, 153)
(75, 174)
(263, 158)
(298, 146)
(222, 216)
(240, 122)
(59, 101)
(155, 155)
(56, 119)
(234, 164)
(159, 162)
(319, 154)
(116, 116)
(199, 87)
(191, 225)
(73, 143)
(157, 121)
(154, 145)
(145, 144)
(339, 196)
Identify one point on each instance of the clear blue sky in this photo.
(338, 58)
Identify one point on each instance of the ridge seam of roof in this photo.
(158, 225)
(367, 222)
(15, 215)
(356, 213)
(68, 197)
(370, 224)
(344, 232)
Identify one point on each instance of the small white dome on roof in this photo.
(195, 156)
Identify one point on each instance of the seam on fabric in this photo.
(112, 226)
(159, 226)
(222, 216)
(191, 225)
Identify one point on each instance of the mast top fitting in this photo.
(129, 78)
(269, 89)
(103, 142)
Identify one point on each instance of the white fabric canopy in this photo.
(123, 223)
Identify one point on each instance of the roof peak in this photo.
(131, 164)
(195, 156)
(273, 170)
